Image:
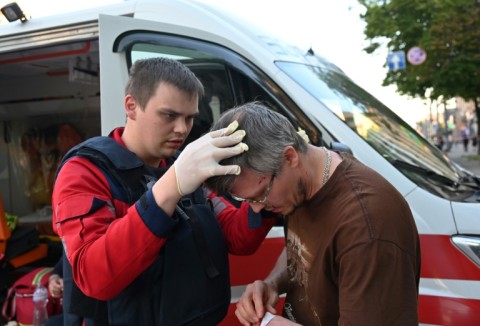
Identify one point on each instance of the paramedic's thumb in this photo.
(200, 159)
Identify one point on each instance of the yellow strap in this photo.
(40, 274)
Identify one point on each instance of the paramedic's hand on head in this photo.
(259, 297)
(200, 159)
(303, 134)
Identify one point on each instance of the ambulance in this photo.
(62, 80)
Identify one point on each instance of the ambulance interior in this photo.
(50, 101)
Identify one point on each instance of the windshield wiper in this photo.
(429, 174)
(471, 180)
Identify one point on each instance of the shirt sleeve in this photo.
(107, 243)
(244, 229)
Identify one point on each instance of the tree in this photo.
(448, 31)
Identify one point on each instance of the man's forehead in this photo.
(172, 87)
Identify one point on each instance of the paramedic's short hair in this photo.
(146, 74)
(267, 135)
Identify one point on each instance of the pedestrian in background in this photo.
(464, 132)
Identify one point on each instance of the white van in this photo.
(62, 79)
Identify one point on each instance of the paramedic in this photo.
(132, 241)
(352, 253)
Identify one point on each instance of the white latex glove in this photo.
(303, 134)
(199, 160)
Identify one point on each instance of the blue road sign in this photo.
(396, 60)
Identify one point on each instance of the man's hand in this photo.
(55, 286)
(258, 298)
(200, 159)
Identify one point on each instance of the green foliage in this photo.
(449, 32)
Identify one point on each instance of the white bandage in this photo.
(267, 318)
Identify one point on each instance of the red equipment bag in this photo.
(18, 304)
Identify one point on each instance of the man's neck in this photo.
(315, 163)
(314, 167)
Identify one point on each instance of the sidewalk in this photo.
(469, 160)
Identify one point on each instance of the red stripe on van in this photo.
(449, 311)
(18, 59)
(441, 259)
(246, 269)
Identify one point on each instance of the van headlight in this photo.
(469, 245)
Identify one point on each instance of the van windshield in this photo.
(386, 132)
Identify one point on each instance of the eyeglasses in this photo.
(257, 201)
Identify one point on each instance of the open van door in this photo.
(228, 80)
(113, 68)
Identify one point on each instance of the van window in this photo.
(228, 80)
(390, 136)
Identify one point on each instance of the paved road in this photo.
(468, 160)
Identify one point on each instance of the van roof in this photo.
(65, 19)
(218, 24)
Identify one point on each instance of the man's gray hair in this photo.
(268, 133)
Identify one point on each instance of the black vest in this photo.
(188, 283)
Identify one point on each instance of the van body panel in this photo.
(467, 218)
(427, 208)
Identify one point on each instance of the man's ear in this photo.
(291, 156)
(130, 107)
